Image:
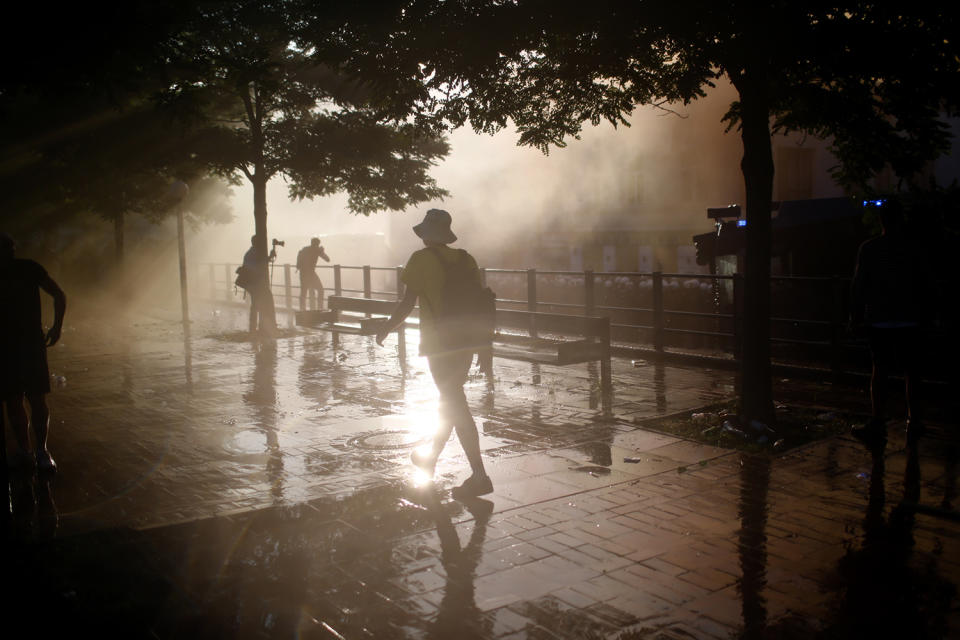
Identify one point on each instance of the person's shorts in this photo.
(450, 370)
(896, 348)
(23, 368)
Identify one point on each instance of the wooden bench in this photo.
(355, 316)
(593, 341)
(364, 316)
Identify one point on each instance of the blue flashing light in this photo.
(874, 203)
(741, 223)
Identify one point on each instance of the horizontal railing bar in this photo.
(699, 314)
(608, 308)
(809, 343)
(822, 323)
(716, 334)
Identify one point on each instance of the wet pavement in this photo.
(228, 488)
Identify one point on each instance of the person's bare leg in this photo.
(18, 421)
(40, 419)
(466, 431)
(879, 382)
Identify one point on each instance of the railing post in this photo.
(213, 282)
(658, 311)
(337, 281)
(287, 287)
(227, 281)
(837, 323)
(738, 316)
(367, 289)
(400, 290)
(589, 299)
(532, 299)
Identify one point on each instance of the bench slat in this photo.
(513, 352)
(589, 326)
(579, 351)
(362, 305)
(314, 318)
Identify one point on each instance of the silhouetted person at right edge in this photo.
(892, 301)
(425, 275)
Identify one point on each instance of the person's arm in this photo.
(323, 254)
(400, 313)
(59, 308)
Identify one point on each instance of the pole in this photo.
(178, 191)
(183, 271)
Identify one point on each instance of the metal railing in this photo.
(664, 310)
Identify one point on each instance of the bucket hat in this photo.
(436, 227)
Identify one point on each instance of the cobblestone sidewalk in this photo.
(233, 489)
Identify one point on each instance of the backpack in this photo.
(467, 318)
(245, 278)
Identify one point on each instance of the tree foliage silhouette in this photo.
(872, 80)
(268, 102)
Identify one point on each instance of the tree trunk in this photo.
(260, 220)
(118, 237)
(756, 393)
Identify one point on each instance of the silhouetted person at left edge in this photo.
(23, 350)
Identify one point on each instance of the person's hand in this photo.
(53, 335)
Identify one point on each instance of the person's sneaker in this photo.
(426, 462)
(472, 487)
(45, 463)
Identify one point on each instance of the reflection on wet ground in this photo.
(267, 494)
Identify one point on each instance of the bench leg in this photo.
(402, 348)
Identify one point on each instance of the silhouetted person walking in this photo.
(309, 280)
(448, 349)
(23, 350)
(892, 301)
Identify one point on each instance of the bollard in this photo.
(367, 289)
(337, 281)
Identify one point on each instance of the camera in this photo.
(280, 243)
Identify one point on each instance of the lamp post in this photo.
(179, 190)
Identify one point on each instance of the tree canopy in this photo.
(873, 80)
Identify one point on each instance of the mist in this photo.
(659, 173)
